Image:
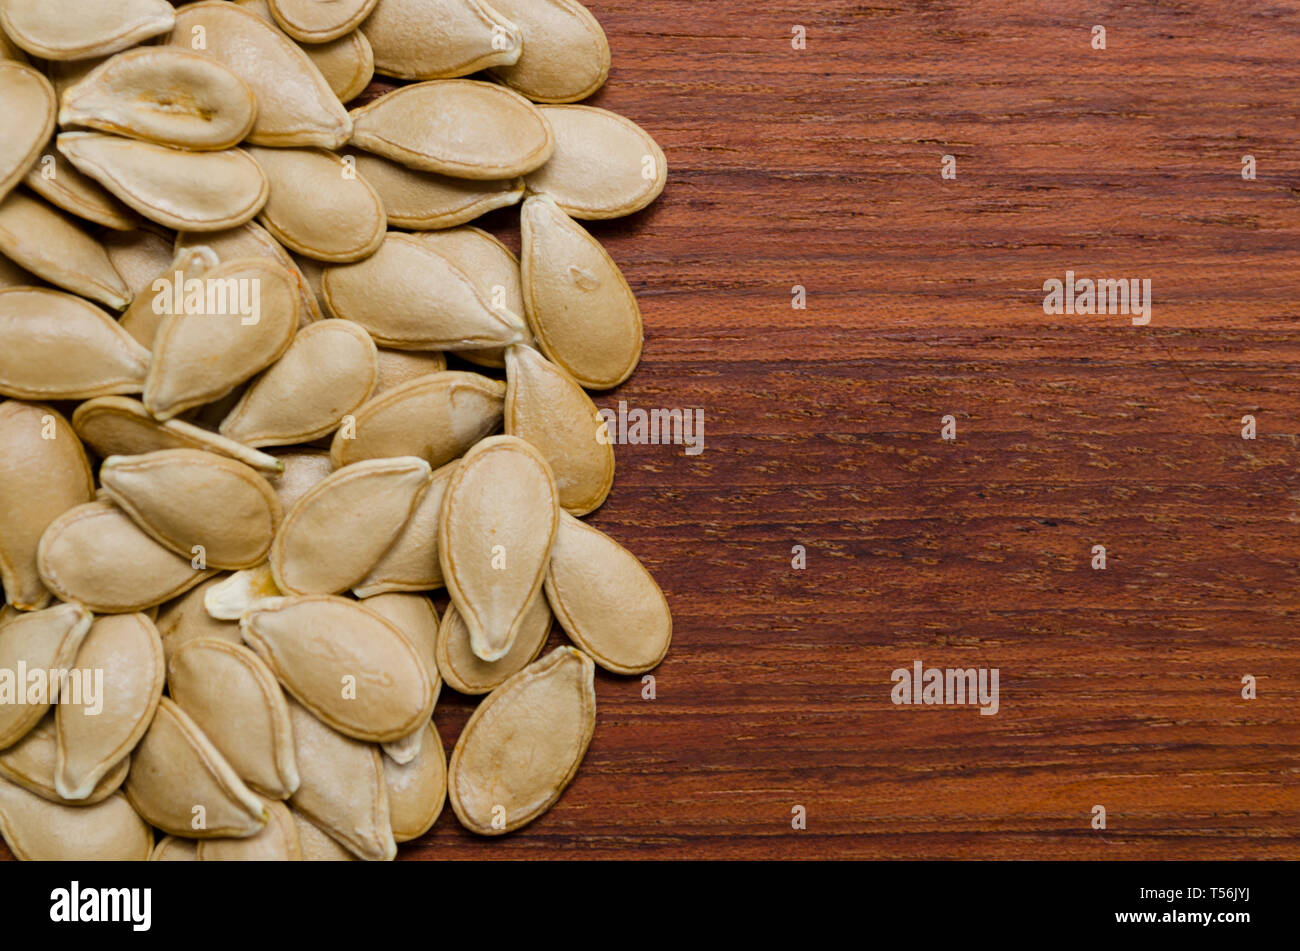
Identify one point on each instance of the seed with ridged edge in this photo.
(57, 180)
(426, 200)
(417, 789)
(37, 830)
(41, 640)
(31, 763)
(277, 842)
(466, 673)
(440, 39)
(411, 563)
(416, 617)
(81, 29)
(310, 21)
(565, 52)
(348, 63)
(27, 121)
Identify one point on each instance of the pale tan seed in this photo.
(95, 554)
(348, 63)
(318, 846)
(177, 188)
(459, 127)
(186, 619)
(277, 842)
(235, 699)
(465, 673)
(303, 468)
(311, 21)
(149, 307)
(437, 418)
(295, 106)
(319, 205)
(339, 529)
(235, 596)
(44, 473)
(546, 407)
(604, 165)
(579, 305)
(328, 372)
(26, 123)
(53, 246)
(186, 497)
(31, 763)
(412, 298)
(121, 426)
(170, 848)
(94, 737)
(57, 180)
(342, 789)
(417, 789)
(416, 617)
(61, 347)
(426, 200)
(548, 709)
(79, 29)
(499, 517)
(402, 366)
(565, 52)
(41, 640)
(138, 256)
(350, 667)
(440, 39)
(410, 563)
(37, 830)
(176, 770)
(200, 357)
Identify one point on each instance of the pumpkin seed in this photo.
(235, 699)
(546, 407)
(436, 417)
(50, 245)
(318, 846)
(350, 667)
(416, 617)
(342, 789)
(186, 619)
(302, 469)
(426, 200)
(412, 298)
(41, 640)
(31, 763)
(142, 319)
(178, 188)
(235, 596)
(339, 529)
(37, 830)
(465, 673)
(199, 357)
(401, 366)
(295, 106)
(348, 63)
(579, 305)
(78, 29)
(137, 256)
(458, 127)
(499, 517)
(440, 39)
(328, 372)
(180, 783)
(57, 180)
(547, 709)
(630, 172)
(94, 738)
(27, 122)
(565, 52)
(173, 849)
(186, 497)
(62, 347)
(40, 479)
(120, 426)
(311, 21)
(277, 842)
(95, 554)
(411, 562)
(417, 789)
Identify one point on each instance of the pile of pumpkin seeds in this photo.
(234, 463)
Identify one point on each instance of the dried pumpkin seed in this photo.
(339, 529)
(180, 783)
(523, 744)
(138, 256)
(79, 29)
(142, 319)
(416, 617)
(295, 106)
(629, 173)
(57, 180)
(401, 366)
(170, 848)
(27, 122)
(185, 498)
(37, 830)
(95, 737)
(348, 63)
(499, 517)
(311, 21)
(43, 474)
(233, 597)
(235, 699)
(95, 554)
(40, 640)
(342, 789)
(277, 842)
(565, 52)
(303, 468)
(465, 673)
(412, 298)
(417, 789)
(579, 305)
(62, 347)
(178, 188)
(437, 418)
(31, 763)
(426, 200)
(440, 39)
(186, 619)
(328, 372)
(350, 667)
(51, 245)
(459, 127)
(410, 563)
(318, 846)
